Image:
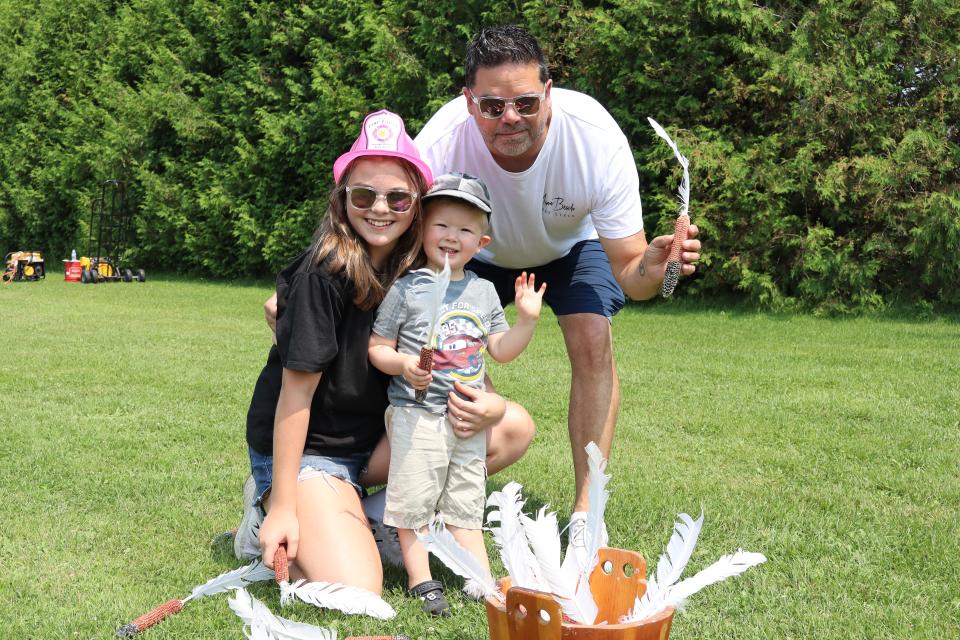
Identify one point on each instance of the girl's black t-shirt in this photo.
(319, 329)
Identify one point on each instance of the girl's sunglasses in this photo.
(492, 107)
(398, 200)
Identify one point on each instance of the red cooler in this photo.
(71, 270)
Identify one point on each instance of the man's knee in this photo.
(589, 342)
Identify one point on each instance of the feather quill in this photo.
(598, 496)
(237, 578)
(681, 227)
(260, 624)
(441, 543)
(509, 537)
(673, 561)
(675, 596)
(331, 595)
(544, 538)
(437, 295)
(254, 572)
(684, 190)
(433, 286)
(435, 289)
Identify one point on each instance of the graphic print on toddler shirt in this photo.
(459, 345)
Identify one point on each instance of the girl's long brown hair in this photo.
(335, 239)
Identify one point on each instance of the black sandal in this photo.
(431, 592)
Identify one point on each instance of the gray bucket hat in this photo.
(461, 186)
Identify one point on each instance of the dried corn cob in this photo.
(426, 363)
(281, 568)
(672, 275)
(150, 618)
(243, 576)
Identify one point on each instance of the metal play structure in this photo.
(110, 220)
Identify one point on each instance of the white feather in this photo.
(544, 538)
(474, 589)
(261, 624)
(598, 496)
(433, 286)
(332, 595)
(581, 565)
(509, 537)
(684, 190)
(441, 543)
(674, 596)
(673, 561)
(254, 572)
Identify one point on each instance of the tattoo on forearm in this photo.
(642, 269)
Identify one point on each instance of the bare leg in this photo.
(508, 440)
(378, 465)
(335, 541)
(472, 541)
(415, 557)
(594, 392)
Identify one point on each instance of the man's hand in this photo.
(639, 267)
(270, 313)
(658, 251)
(526, 297)
(480, 411)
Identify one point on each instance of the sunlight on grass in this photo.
(831, 446)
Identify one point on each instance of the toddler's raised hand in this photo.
(528, 299)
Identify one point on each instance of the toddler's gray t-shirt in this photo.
(470, 312)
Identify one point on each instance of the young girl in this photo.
(329, 413)
(317, 409)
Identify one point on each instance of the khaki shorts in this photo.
(433, 471)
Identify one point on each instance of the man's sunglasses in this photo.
(492, 107)
(398, 200)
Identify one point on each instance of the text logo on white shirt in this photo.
(558, 207)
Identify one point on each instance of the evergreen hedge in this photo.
(823, 136)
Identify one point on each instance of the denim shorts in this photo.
(349, 468)
(579, 282)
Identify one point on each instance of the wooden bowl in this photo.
(616, 582)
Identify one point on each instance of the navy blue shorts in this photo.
(579, 282)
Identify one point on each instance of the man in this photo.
(562, 176)
(561, 171)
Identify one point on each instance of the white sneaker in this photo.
(577, 537)
(388, 544)
(246, 542)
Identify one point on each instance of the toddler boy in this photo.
(435, 465)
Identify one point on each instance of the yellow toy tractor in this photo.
(24, 265)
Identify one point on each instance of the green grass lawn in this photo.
(831, 446)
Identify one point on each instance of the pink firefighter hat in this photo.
(383, 134)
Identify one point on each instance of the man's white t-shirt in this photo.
(583, 183)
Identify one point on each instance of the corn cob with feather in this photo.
(435, 290)
(681, 227)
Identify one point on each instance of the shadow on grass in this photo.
(221, 548)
